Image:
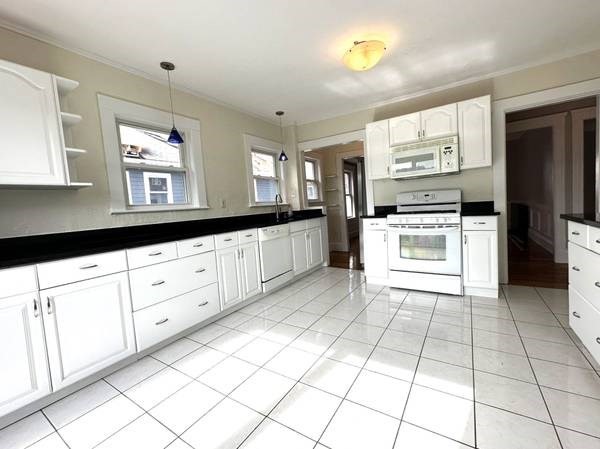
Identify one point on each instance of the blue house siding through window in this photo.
(138, 192)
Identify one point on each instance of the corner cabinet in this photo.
(89, 326)
(480, 256)
(377, 150)
(34, 153)
(475, 133)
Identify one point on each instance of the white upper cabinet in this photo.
(378, 150)
(32, 148)
(439, 122)
(475, 132)
(89, 326)
(23, 352)
(405, 129)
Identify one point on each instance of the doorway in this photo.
(334, 179)
(550, 169)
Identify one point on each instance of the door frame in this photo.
(578, 116)
(499, 110)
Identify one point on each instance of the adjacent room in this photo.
(291, 225)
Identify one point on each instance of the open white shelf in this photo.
(79, 185)
(69, 119)
(65, 85)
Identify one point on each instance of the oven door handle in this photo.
(423, 231)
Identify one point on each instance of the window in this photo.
(265, 174)
(145, 172)
(349, 193)
(313, 176)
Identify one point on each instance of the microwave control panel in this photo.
(449, 158)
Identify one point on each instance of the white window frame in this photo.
(260, 145)
(114, 111)
(165, 175)
(317, 170)
(351, 194)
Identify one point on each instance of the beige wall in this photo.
(41, 211)
(476, 184)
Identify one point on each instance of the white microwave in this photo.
(429, 158)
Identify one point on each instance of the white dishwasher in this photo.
(275, 256)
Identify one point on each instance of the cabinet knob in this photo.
(598, 241)
(575, 232)
(198, 245)
(202, 304)
(576, 269)
(597, 284)
(163, 321)
(200, 270)
(576, 315)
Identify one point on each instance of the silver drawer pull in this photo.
(228, 240)
(598, 340)
(49, 304)
(198, 245)
(575, 232)
(576, 315)
(576, 269)
(479, 222)
(597, 284)
(249, 235)
(155, 253)
(202, 304)
(163, 321)
(88, 266)
(36, 312)
(598, 241)
(155, 283)
(200, 270)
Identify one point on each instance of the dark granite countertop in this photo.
(588, 219)
(26, 250)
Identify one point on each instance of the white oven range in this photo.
(424, 242)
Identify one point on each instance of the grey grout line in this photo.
(473, 377)
(538, 384)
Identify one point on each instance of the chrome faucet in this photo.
(278, 202)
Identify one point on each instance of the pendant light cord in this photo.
(281, 132)
(171, 98)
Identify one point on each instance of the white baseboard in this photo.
(478, 291)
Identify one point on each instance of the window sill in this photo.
(142, 209)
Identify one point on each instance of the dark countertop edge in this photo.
(29, 250)
(586, 219)
(468, 209)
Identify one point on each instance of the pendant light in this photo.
(174, 136)
(282, 157)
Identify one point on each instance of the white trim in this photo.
(557, 123)
(578, 116)
(267, 146)
(112, 110)
(500, 109)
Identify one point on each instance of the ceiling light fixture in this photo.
(282, 157)
(174, 136)
(364, 55)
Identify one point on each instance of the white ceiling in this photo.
(263, 55)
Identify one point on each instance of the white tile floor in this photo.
(330, 362)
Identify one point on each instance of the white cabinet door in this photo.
(377, 150)
(405, 129)
(250, 270)
(480, 259)
(439, 122)
(32, 150)
(230, 282)
(315, 248)
(24, 371)
(376, 253)
(300, 252)
(475, 133)
(89, 326)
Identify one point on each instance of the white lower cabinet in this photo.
(307, 247)
(480, 256)
(375, 251)
(299, 252)
(24, 371)
(89, 326)
(239, 273)
(315, 247)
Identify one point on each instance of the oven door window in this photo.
(423, 247)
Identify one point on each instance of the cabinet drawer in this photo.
(594, 239)
(197, 245)
(150, 285)
(275, 231)
(149, 255)
(584, 273)
(297, 226)
(584, 319)
(482, 223)
(247, 236)
(374, 223)
(313, 223)
(65, 271)
(14, 281)
(226, 240)
(161, 321)
(578, 233)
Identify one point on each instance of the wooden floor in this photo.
(534, 266)
(350, 259)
